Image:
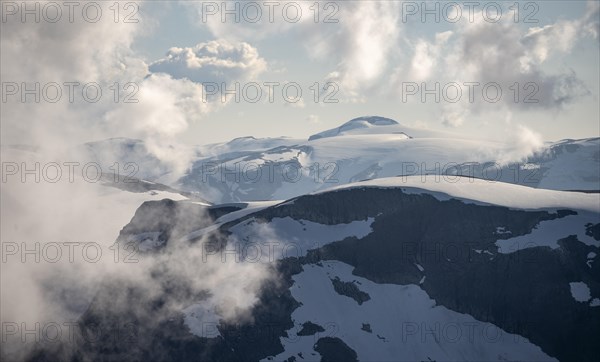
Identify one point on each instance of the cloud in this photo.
(506, 56)
(561, 36)
(368, 53)
(590, 23)
(360, 42)
(541, 41)
(65, 48)
(213, 61)
(43, 52)
(272, 21)
(44, 212)
(163, 103)
(522, 143)
(38, 215)
(369, 33)
(165, 109)
(454, 115)
(426, 56)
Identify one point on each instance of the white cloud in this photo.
(541, 41)
(522, 142)
(164, 105)
(590, 23)
(213, 61)
(361, 42)
(165, 109)
(506, 54)
(370, 32)
(60, 52)
(426, 56)
(78, 50)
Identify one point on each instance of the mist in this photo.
(59, 223)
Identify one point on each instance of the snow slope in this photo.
(547, 233)
(287, 237)
(487, 192)
(571, 165)
(405, 324)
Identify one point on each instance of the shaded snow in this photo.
(486, 192)
(201, 320)
(580, 291)
(548, 232)
(502, 230)
(590, 258)
(289, 237)
(406, 323)
(251, 207)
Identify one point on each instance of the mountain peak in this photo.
(243, 139)
(355, 125)
(374, 120)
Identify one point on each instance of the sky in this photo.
(347, 58)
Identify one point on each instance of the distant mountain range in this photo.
(250, 169)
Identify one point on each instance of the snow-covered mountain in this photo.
(253, 169)
(379, 257)
(391, 269)
(375, 147)
(362, 125)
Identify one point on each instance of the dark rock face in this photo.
(333, 349)
(310, 329)
(168, 217)
(593, 231)
(350, 290)
(172, 219)
(525, 292)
